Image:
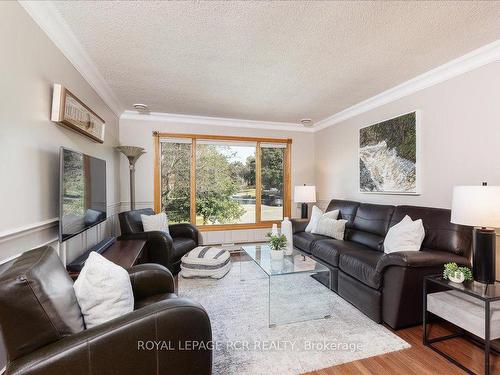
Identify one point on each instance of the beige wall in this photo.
(30, 142)
(460, 141)
(139, 133)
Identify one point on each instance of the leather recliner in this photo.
(44, 331)
(386, 287)
(162, 248)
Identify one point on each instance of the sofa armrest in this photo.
(149, 279)
(184, 230)
(132, 344)
(422, 258)
(299, 225)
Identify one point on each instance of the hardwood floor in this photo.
(419, 359)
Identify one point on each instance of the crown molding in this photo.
(472, 60)
(213, 121)
(52, 23)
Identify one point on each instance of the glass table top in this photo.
(290, 264)
(472, 288)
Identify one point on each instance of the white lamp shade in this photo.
(477, 206)
(305, 194)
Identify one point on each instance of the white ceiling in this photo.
(270, 61)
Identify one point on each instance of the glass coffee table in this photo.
(298, 286)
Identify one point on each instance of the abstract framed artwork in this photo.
(389, 156)
(71, 112)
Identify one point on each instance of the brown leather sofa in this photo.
(161, 248)
(386, 287)
(44, 332)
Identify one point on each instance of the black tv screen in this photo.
(82, 193)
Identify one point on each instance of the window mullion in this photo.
(193, 182)
(258, 185)
(157, 172)
(287, 179)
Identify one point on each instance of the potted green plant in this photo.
(456, 274)
(277, 242)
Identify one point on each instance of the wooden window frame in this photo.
(287, 187)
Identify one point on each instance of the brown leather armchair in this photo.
(44, 331)
(162, 248)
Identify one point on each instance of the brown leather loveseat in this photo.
(386, 287)
(44, 332)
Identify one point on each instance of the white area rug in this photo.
(244, 343)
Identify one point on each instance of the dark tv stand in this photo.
(101, 247)
(126, 254)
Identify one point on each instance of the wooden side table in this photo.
(125, 253)
(472, 307)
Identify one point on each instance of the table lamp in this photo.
(479, 206)
(304, 194)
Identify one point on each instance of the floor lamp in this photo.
(132, 153)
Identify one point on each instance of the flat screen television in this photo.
(82, 193)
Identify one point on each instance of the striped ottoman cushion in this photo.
(206, 261)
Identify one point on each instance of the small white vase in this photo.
(458, 277)
(276, 254)
(274, 230)
(286, 229)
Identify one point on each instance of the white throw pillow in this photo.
(103, 290)
(316, 215)
(407, 235)
(157, 222)
(331, 228)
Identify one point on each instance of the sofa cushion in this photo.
(407, 235)
(373, 218)
(440, 233)
(316, 216)
(373, 241)
(347, 210)
(370, 225)
(181, 247)
(329, 250)
(362, 265)
(38, 305)
(304, 240)
(331, 228)
(103, 290)
(130, 221)
(158, 222)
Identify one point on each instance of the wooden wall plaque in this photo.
(71, 112)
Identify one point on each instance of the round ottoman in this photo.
(206, 262)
